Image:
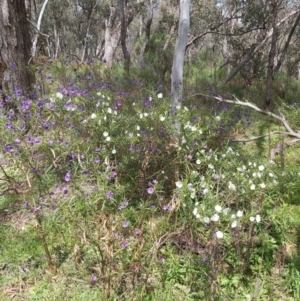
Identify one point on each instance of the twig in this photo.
(39, 32)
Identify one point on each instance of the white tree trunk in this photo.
(38, 26)
(178, 62)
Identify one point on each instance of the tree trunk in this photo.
(147, 29)
(272, 54)
(126, 53)
(15, 45)
(112, 38)
(38, 27)
(178, 62)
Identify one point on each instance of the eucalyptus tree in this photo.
(15, 47)
(178, 62)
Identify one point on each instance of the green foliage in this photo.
(97, 202)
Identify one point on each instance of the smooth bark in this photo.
(38, 26)
(178, 62)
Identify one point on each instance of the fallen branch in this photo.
(281, 118)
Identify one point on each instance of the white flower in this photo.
(239, 213)
(198, 161)
(252, 187)
(109, 110)
(252, 218)
(259, 175)
(218, 208)
(218, 118)
(197, 215)
(59, 95)
(233, 216)
(105, 134)
(114, 151)
(141, 115)
(210, 166)
(234, 224)
(271, 175)
(138, 127)
(193, 128)
(107, 138)
(262, 185)
(161, 118)
(261, 168)
(200, 132)
(93, 116)
(146, 114)
(231, 186)
(257, 218)
(215, 217)
(219, 234)
(195, 211)
(159, 95)
(178, 184)
(206, 220)
(193, 195)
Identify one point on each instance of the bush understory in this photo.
(98, 202)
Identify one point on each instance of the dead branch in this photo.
(281, 118)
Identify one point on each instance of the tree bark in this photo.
(112, 38)
(178, 62)
(15, 45)
(272, 54)
(126, 53)
(147, 29)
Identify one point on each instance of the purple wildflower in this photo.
(8, 148)
(97, 160)
(94, 278)
(150, 190)
(125, 224)
(110, 194)
(65, 190)
(166, 207)
(37, 209)
(123, 244)
(68, 177)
